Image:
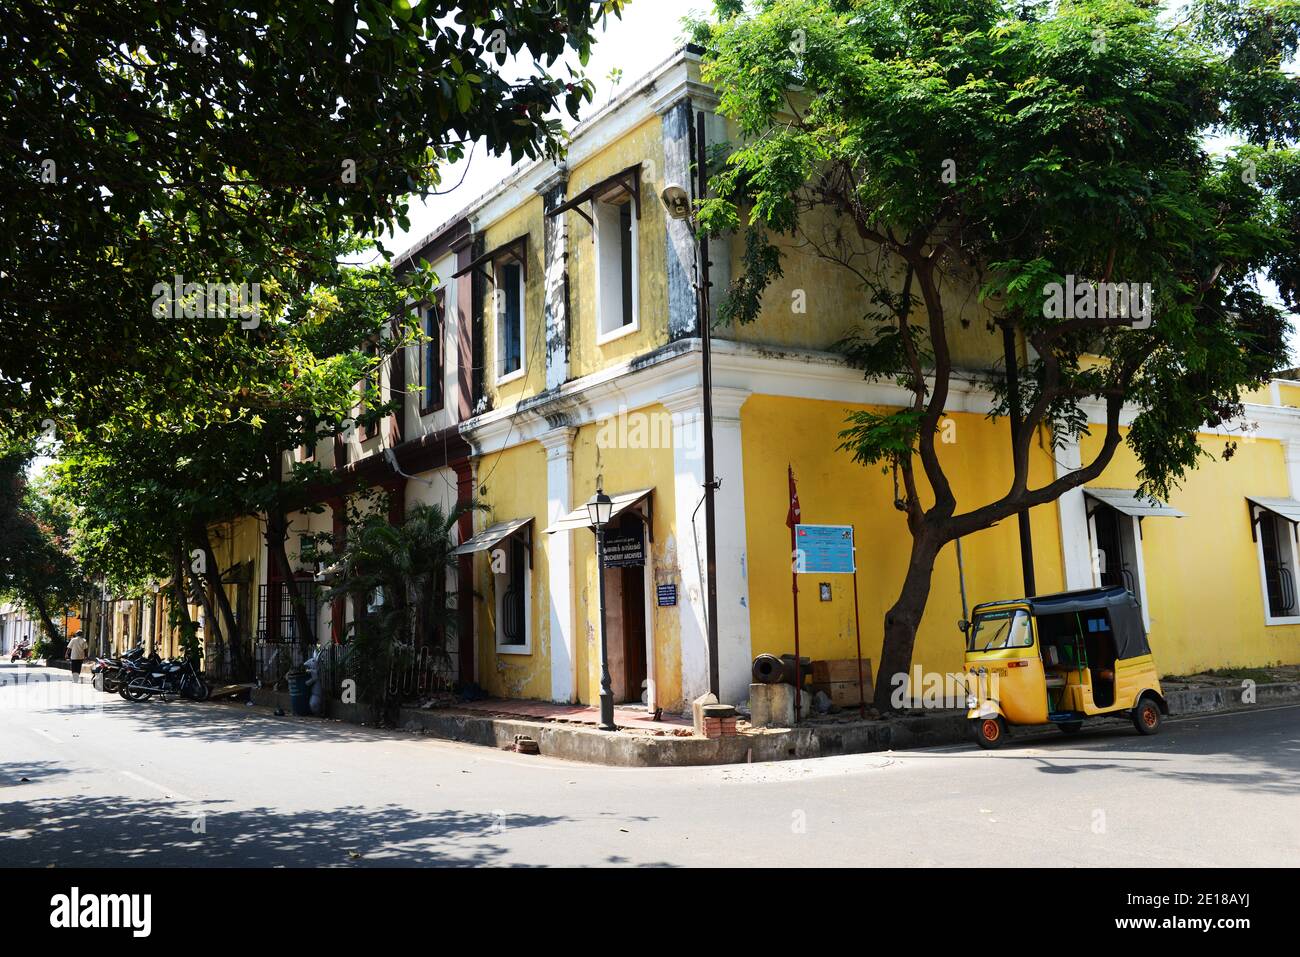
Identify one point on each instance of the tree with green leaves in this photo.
(1016, 149)
(36, 567)
(145, 490)
(217, 141)
(396, 577)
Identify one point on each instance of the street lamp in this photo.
(676, 201)
(600, 508)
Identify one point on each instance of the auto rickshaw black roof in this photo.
(1117, 601)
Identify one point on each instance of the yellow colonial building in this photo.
(565, 352)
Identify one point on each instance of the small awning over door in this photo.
(578, 518)
(1287, 509)
(1127, 502)
(492, 536)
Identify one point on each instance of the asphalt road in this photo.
(91, 780)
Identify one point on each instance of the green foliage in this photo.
(223, 142)
(396, 577)
(1002, 147)
(35, 566)
(47, 648)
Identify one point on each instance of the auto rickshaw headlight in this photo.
(972, 702)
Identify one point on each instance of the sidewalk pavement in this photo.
(571, 731)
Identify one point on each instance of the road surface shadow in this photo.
(120, 832)
(12, 773)
(1259, 750)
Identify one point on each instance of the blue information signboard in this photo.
(824, 549)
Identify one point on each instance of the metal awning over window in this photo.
(1127, 502)
(623, 501)
(628, 181)
(516, 249)
(1287, 509)
(494, 535)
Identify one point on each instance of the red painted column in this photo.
(465, 576)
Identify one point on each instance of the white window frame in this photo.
(498, 271)
(1287, 535)
(605, 215)
(1130, 531)
(499, 582)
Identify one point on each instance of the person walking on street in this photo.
(76, 652)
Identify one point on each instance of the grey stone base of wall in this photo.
(1196, 700)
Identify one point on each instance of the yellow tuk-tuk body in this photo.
(1060, 659)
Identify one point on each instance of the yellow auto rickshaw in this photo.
(1059, 659)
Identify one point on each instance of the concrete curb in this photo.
(592, 746)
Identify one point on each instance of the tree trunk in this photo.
(180, 600)
(277, 530)
(47, 623)
(903, 619)
(212, 572)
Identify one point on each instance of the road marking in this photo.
(46, 734)
(166, 791)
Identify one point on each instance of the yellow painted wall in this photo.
(1203, 581)
(642, 144)
(833, 490)
(817, 303)
(623, 470)
(515, 482)
(1289, 394)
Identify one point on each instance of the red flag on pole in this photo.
(792, 517)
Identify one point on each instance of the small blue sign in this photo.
(665, 595)
(824, 549)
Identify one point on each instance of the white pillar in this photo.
(688, 489)
(1072, 512)
(735, 650)
(1291, 453)
(734, 646)
(559, 553)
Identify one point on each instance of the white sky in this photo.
(648, 32)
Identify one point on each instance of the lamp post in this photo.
(600, 508)
(677, 202)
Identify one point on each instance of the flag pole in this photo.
(792, 519)
(857, 628)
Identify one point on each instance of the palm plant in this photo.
(396, 576)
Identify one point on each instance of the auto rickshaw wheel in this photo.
(989, 732)
(1070, 727)
(1146, 716)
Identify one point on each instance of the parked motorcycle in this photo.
(22, 651)
(168, 680)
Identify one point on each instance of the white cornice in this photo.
(671, 376)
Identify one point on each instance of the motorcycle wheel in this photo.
(199, 690)
(134, 692)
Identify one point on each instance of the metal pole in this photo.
(794, 588)
(857, 626)
(710, 480)
(1013, 405)
(606, 693)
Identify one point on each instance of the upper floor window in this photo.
(616, 266)
(371, 395)
(510, 320)
(433, 355)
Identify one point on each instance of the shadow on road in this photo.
(12, 774)
(117, 832)
(1258, 750)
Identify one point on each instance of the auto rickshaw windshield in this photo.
(995, 630)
